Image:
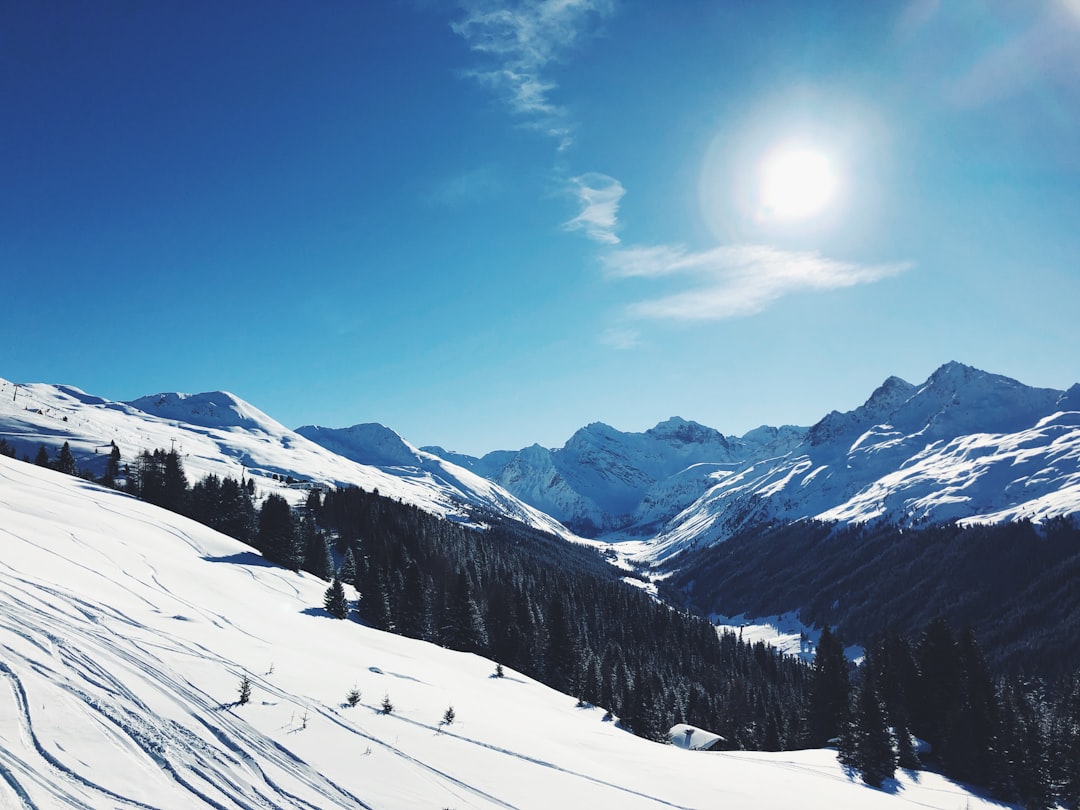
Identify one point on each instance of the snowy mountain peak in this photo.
(679, 431)
(211, 409)
(1070, 400)
(368, 443)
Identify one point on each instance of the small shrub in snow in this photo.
(448, 716)
(353, 697)
(386, 707)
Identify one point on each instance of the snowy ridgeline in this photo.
(221, 434)
(127, 632)
(964, 445)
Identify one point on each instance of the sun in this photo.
(796, 183)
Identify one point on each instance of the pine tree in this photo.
(873, 755)
(174, 483)
(65, 462)
(386, 707)
(276, 534)
(245, 690)
(347, 571)
(829, 692)
(334, 600)
(112, 468)
(317, 557)
(353, 696)
(449, 716)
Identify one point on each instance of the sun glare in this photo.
(796, 183)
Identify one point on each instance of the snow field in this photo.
(125, 631)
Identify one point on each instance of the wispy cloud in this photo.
(621, 338)
(599, 196)
(735, 280)
(519, 39)
(481, 183)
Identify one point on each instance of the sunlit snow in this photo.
(125, 632)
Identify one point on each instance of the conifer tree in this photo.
(276, 534)
(334, 600)
(65, 462)
(317, 557)
(347, 571)
(868, 744)
(244, 691)
(174, 483)
(112, 468)
(829, 693)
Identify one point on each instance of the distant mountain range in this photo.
(964, 445)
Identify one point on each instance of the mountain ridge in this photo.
(221, 434)
(965, 445)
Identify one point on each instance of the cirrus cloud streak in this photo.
(735, 280)
(519, 39)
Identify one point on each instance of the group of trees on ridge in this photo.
(559, 613)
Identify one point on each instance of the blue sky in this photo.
(486, 224)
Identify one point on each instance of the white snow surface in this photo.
(220, 433)
(125, 631)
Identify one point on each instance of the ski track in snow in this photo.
(156, 738)
(190, 763)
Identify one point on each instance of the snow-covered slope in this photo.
(124, 634)
(219, 433)
(378, 446)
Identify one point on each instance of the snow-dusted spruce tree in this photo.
(448, 716)
(353, 696)
(245, 690)
(386, 707)
(347, 571)
(334, 600)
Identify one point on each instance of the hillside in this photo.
(219, 433)
(126, 631)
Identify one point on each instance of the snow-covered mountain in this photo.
(964, 445)
(219, 433)
(125, 632)
(605, 480)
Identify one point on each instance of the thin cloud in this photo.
(621, 339)
(735, 280)
(1047, 51)
(599, 196)
(520, 39)
(477, 184)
